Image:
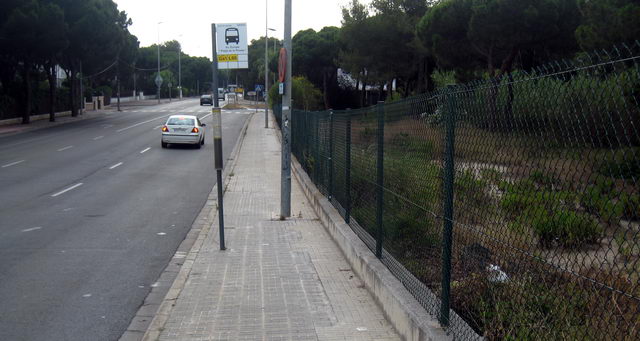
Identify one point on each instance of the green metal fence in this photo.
(509, 208)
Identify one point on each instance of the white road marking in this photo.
(97, 138)
(137, 124)
(12, 164)
(116, 165)
(145, 150)
(65, 148)
(205, 116)
(32, 229)
(86, 295)
(161, 234)
(68, 189)
(105, 126)
(156, 127)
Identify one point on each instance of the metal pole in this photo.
(447, 230)
(217, 135)
(380, 180)
(330, 155)
(118, 82)
(266, 68)
(158, 85)
(180, 70)
(285, 187)
(347, 176)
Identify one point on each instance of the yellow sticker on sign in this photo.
(227, 58)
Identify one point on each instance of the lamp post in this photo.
(158, 84)
(266, 68)
(180, 67)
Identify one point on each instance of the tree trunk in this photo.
(26, 114)
(52, 92)
(421, 72)
(324, 90)
(364, 90)
(72, 90)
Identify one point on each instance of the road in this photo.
(90, 214)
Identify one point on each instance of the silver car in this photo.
(183, 129)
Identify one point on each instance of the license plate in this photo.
(180, 129)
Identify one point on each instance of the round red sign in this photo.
(282, 65)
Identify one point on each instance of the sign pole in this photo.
(285, 186)
(217, 135)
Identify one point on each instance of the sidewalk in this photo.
(277, 280)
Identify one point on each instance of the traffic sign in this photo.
(158, 80)
(259, 87)
(231, 46)
(282, 65)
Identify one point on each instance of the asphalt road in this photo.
(90, 214)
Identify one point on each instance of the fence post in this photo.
(347, 169)
(447, 231)
(330, 189)
(316, 164)
(380, 179)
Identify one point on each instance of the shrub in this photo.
(565, 227)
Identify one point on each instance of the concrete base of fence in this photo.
(408, 317)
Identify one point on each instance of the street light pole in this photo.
(266, 68)
(180, 67)
(158, 84)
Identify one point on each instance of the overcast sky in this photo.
(189, 21)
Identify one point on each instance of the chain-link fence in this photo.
(509, 208)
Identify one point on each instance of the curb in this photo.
(407, 316)
(176, 274)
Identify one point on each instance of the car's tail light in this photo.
(165, 129)
(195, 130)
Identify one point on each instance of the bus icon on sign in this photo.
(231, 35)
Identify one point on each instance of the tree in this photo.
(25, 29)
(607, 22)
(314, 56)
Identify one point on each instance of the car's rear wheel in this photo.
(198, 145)
(164, 145)
(202, 142)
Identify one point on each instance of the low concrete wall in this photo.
(18, 120)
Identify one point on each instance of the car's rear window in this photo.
(181, 121)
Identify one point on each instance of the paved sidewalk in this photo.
(277, 280)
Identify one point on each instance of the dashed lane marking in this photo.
(65, 148)
(67, 189)
(116, 165)
(12, 164)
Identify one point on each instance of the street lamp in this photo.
(274, 42)
(158, 77)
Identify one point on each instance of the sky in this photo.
(189, 21)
